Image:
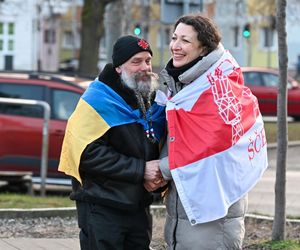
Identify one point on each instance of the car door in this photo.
(259, 83)
(270, 91)
(63, 103)
(21, 128)
(293, 99)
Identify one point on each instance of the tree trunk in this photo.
(91, 32)
(113, 27)
(278, 231)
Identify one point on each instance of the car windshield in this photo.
(270, 80)
(18, 91)
(252, 79)
(263, 79)
(64, 103)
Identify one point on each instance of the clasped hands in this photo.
(153, 178)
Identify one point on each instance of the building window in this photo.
(7, 31)
(10, 45)
(236, 36)
(11, 28)
(166, 37)
(268, 37)
(49, 36)
(68, 40)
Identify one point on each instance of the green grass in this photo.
(11, 200)
(276, 245)
(293, 131)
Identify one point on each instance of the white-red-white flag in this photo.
(218, 148)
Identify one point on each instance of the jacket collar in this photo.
(202, 66)
(194, 72)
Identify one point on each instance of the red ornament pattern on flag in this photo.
(218, 119)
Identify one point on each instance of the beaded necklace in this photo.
(147, 117)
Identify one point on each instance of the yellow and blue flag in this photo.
(99, 109)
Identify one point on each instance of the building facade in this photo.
(29, 34)
(38, 34)
(18, 36)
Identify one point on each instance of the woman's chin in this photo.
(178, 64)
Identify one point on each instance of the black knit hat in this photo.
(126, 47)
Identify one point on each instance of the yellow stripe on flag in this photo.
(84, 126)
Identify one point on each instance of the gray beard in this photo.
(134, 82)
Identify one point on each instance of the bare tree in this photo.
(91, 31)
(270, 7)
(113, 25)
(278, 231)
(127, 7)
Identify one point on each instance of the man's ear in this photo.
(118, 69)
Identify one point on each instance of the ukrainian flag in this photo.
(99, 109)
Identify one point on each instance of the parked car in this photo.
(69, 65)
(264, 82)
(21, 125)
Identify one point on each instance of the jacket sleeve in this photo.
(164, 162)
(101, 160)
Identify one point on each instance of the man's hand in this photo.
(153, 177)
(151, 186)
(152, 171)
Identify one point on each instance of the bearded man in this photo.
(110, 147)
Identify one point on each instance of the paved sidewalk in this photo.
(39, 244)
(262, 196)
(261, 201)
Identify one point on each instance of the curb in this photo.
(37, 213)
(65, 212)
(260, 218)
(290, 144)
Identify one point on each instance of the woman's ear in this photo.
(203, 51)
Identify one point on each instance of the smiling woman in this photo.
(213, 120)
(184, 45)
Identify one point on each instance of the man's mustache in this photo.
(152, 75)
(146, 75)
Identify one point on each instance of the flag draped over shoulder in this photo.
(217, 149)
(99, 109)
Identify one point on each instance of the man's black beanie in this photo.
(126, 47)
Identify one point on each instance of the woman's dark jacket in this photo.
(112, 167)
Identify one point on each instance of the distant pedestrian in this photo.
(111, 150)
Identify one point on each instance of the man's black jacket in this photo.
(112, 167)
